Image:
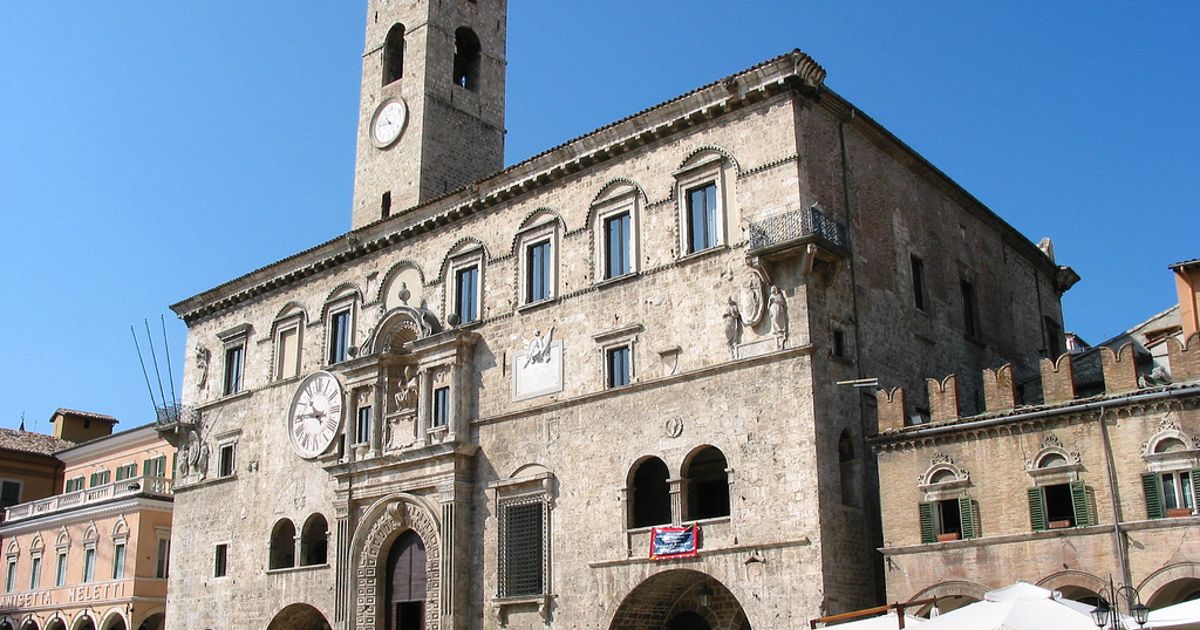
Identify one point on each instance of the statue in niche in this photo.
(777, 307)
(733, 325)
(202, 358)
(185, 454)
(537, 349)
(200, 457)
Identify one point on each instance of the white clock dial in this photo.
(388, 122)
(316, 414)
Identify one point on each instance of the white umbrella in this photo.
(1181, 616)
(883, 622)
(1021, 606)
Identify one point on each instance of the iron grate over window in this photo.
(522, 548)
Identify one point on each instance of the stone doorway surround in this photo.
(380, 526)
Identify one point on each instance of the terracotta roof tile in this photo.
(30, 442)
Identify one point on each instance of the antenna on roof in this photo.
(145, 375)
(22, 420)
(154, 356)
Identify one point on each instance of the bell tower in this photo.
(431, 116)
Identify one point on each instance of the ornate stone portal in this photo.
(379, 527)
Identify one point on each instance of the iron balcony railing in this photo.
(148, 485)
(781, 230)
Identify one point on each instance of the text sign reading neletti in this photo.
(674, 542)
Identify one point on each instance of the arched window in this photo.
(466, 59)
(1051, 460)
(393, 55)
(708, 484)
(651, 497)
(848, 464)
(405, 588)
(283, 545)
(1170, 445)
(314, 541)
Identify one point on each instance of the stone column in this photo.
(678, 496)
(343, 572)
(424, 413)
(378, 413)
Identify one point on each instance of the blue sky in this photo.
(147, 149)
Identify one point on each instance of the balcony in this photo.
(778, 236)
(135, 486)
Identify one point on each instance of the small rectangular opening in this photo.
(385, 204)
(1060, 509)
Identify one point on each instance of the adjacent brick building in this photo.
(1064, 491)
(473, 409)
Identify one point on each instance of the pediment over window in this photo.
(1170, 448)
(400, 326)
(1053, 460)
(942, 476)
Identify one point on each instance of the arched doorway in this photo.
(404, 590)
(114, 622)
(299, 617)
(29, 624)
(680, 599)
(4, 625)
(84, 623)
(56, 624)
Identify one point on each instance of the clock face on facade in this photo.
(315, 415)
(388, 122)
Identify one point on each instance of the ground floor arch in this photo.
(299, 617)
(411, 523)
(951, 595)
(1171, 584)
(84, 622)
(680, 599)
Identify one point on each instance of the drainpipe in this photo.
(1119, 538)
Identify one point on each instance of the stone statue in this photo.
(202, 357)
(185, 454)
(200, 460)
(733, 324)
(406, 394)
(777, 307)
(537, 350)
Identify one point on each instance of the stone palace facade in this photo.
(474, 408)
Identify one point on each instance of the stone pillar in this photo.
(424, 413)
(677, 489)
(379, 413)
(343, 572)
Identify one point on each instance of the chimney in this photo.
(1187, 285)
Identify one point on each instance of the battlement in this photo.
(1057, 381)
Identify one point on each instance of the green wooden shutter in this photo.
(92, 480)
(161, 466)
(1037, 509)
(146, 467)
(1082, 508)
(966, 515)
(122, 473)
(928, 534)
(1154, 502)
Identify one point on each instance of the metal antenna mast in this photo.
(167, 351)
(157, 372)
(143, 362)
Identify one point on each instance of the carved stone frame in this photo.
(378, 528)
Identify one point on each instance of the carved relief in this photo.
(733, 326)
(1052, 446)
(943, 470)
(537, 349)
(750, 299)
(673, 427)
(394, 517)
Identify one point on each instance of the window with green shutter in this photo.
(1037, 509)
(968, 515)
(928, 535)
(1081, 503)
(1154, 502)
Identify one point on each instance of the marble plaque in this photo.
(539, 375)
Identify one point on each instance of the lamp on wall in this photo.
(705, 596)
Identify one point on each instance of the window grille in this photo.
(523, 528)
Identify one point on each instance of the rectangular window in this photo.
(702, 217)
(949, 519)
(287, 359)
(221, 561)
(362, 433)
(617, 245)
(1061, 505)
(918, 282)
(226, 460)
(839, 344)
(100, 478)
(10, 583)
(74, 485)
(89, 564)
(10, 493)
(617, 366)
(1178, 491)
(339, 336)
(35, 573)
(522, 550)
(60, 571)
(118, 571)
(155, 466)
(128, 471)
(970, 303)
(537, 272)
(162, 566)
(466, 292)
(441, 406)
(234, 356)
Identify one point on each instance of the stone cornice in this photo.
(794, 72)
